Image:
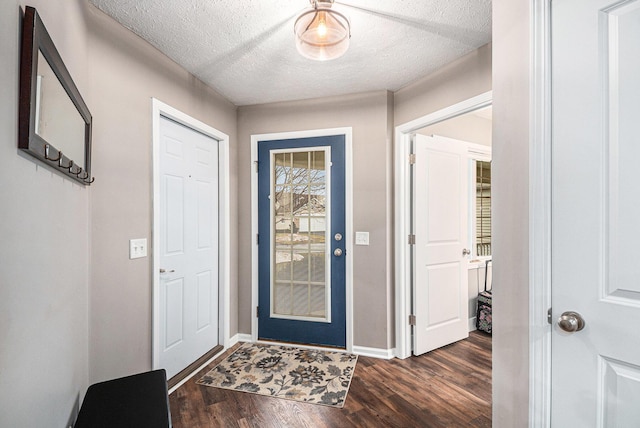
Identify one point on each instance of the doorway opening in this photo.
(436, 122)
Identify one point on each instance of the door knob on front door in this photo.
(465, 252)
(571, 321)
(337, 252)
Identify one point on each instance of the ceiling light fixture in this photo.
(321, 32)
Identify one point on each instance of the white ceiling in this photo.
(245, 49)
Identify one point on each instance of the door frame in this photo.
(402, 211)
(224, 237)
(255, 138)
(540, 215)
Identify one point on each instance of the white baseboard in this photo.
(239, 337)
(386, 354)
(472, 324)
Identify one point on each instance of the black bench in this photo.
(140, 400)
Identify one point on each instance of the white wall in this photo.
(44, 246)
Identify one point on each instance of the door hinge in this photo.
(412, 159)
(257, 311)
(549, 316)
(412, 320)
(257, 165)
(412, 239)
(257, 239)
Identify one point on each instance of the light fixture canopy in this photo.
(321, 32)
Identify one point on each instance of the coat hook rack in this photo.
(37, 51)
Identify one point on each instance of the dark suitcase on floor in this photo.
(483, 315)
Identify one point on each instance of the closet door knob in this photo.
(571, 322)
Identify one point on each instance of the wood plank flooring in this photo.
(448, 387)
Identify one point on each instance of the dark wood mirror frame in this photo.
(36, 40)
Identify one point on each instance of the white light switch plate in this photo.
(362, 238)
(137, 248)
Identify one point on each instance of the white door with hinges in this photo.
(188, 245)
(440, 289)
(595, 213)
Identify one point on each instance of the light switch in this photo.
(137, 248)
(362, 238)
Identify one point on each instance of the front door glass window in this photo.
(300, 286)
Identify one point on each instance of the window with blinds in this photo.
(483, 208)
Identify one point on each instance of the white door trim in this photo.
(540, 216)
(402, 214)
(161, 109)
(347, 132)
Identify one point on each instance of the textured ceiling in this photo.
(245, 49)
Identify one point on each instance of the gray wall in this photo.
(458, 81)
(44, 246)
(462, 79)
(126, 72)
(373, 117)
(73, 308)
(368, 114)
(510, 169)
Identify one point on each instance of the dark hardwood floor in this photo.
(448, 387)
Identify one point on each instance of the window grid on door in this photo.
(300, 286)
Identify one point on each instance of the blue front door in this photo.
(301, 247)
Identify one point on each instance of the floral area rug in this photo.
(311, 376)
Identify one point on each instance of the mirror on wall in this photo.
(54, 121)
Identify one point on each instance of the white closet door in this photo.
(188, 245)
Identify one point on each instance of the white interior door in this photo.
(441, 198)
(596, 212)
(188, 245)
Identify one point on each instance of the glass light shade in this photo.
(322, 34)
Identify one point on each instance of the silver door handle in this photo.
(571, 321)
(164, 270)
(337, 252)
(465, 252)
